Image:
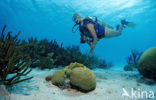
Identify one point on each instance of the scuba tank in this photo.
(102, 23)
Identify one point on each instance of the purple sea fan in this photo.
(133, 58)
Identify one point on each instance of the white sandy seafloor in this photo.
(110, 84)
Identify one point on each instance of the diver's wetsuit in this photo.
(99, 29)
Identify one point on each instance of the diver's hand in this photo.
(92, 50)
(92, 47)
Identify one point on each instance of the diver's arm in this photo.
(93, 33)
(89, 43)
(85, 39)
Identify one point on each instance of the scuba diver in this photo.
(92, 29)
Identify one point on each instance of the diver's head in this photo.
(77, 18)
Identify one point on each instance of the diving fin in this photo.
(128, 24)
(131, 24)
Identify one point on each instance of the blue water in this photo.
(52, 19)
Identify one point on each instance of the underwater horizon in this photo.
(52, 19)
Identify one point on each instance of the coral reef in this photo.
(132, 60)
(128, 68)
(70, 54)
(46, 62)
(104, 64)
(39, 50)
(83, 79)
(75, 75)
(13, 63)
(147, 63)
(74, 65)
(71, 66)
(40, 54)
(58, 78)
(32, 50)
(73, 54)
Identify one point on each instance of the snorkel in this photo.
(74, 31)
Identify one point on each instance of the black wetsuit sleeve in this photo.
(82, 39)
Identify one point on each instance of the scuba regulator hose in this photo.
(74, 31)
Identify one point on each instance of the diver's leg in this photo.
(109, 26)
(112, 33)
